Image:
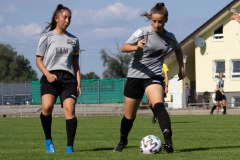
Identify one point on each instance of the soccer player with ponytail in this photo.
(57, 58)
(150, 44)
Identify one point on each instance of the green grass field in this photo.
(194, 137)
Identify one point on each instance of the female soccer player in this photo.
(57, 58)
(150, 44)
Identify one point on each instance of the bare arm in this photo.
(130, 48)
(220, 89)
(77, 74)
(179, 55)
(166, 81)
(50, 77)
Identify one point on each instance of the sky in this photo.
(98, 24)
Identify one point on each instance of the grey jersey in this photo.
(220, 83)
(148, 62)
(58, 51)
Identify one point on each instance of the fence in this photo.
(14, 93)
(94, 91)
(105, 109)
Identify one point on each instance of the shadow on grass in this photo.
(203, 149)
(105, 149)
(185, 122)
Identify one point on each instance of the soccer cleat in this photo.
(154, 120)
(120, 146)
(168, 147)
(211, 113)
(49, 146)
(69, 149)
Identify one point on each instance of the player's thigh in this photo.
(223, 100)
(154, 93)
(48, 101)
(130, 107)
(69, 108)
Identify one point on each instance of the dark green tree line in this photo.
(116, 64)
(14, 67)
(90, 75)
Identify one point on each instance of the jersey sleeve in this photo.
(136, 36)
(173, 41)
(218, 83)
(165, 68)
(42, 46)
(76, 50)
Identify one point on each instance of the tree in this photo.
(90, 75)
(116, 64)
(13, 67)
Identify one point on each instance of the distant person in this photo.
(187, 94)
(58, 60)
(220, 95)
(149, 44)
(165, 86)
(214, 102)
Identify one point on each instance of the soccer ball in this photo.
(150, 145)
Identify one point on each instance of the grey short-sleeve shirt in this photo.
(148, 62)
(58, 51)
(220, 83)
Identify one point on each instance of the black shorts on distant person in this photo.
(135, 87)
(65, 86)
(219, 96)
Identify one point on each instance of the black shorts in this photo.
(65, 86)
(135, 87)
(219, 96)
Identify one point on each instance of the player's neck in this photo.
(59, 31)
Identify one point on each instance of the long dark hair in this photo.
(159, 8)
(51, 26)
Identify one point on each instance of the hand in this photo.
(51, 78)
(234, 16)
(166, 90)
(223, 93)
(181, 74)
(79, 91)
(141, 43)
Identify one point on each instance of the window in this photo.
(218, 34)
(235, 69)
(235, 101)
(219, 66)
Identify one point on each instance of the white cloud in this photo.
(20, 33)
(105, 33)
(1, 20)
(116, 11)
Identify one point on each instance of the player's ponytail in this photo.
(52, 25)
(159, 8)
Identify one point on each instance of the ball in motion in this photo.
(150, 145)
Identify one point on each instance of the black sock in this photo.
(46, 124)
(71, 127)
(224, 109)
(164, 121)
(152, 110)
(126, 126)
(213, 108)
